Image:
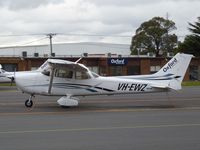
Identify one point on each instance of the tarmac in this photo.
(125, 122)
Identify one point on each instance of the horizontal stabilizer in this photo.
(160, 86)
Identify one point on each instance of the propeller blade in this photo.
(13, 78)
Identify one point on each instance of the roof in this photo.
(67, 49)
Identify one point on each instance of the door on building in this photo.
(194, 72)
(116, 70)
(133, 70)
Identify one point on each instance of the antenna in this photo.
(167, 16)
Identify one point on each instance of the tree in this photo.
(191, 43)
(195, 28)
(153, 36)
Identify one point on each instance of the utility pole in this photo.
(50, 36)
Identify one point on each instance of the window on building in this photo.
(154, 69)
(133, 70)
(116, 70)
(194, 72)
(102, 71)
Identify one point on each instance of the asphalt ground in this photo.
(150, 121)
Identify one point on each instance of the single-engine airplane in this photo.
(71, 79)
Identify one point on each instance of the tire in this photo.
(28, 103)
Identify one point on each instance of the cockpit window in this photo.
(64, 73)
(46, 72)
(82, 75)
(95, 75)
(45, 69)
(69, 74)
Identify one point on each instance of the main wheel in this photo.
(28, 103)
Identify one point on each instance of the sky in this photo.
(27, 22)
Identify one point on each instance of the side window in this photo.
(81, 75)
(63, 73)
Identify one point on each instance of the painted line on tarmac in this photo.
(106, 101)
(22, 103)
(79, 111)
(99, 129)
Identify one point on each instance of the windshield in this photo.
(45, 69)
(95, 75)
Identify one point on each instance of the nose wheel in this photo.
(29, 102)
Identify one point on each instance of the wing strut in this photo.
(51, 80)
(78, 60)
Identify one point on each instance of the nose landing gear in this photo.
(29, 102)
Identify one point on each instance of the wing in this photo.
(57, 63)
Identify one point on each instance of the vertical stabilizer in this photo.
(174, 71)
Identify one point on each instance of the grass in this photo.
(7, 84)
(191, 83)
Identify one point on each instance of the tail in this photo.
(174, 71)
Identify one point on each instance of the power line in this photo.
(50, 35)
(21, 35)
(74, 34)
(27, 43)
(34, 41)
(65, 34)
(96, 35)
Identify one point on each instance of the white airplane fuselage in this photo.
(38, 83)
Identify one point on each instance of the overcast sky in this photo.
(90, 17)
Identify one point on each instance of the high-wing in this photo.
(56, 63)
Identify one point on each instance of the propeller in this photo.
(12, 81)
(12, 78)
